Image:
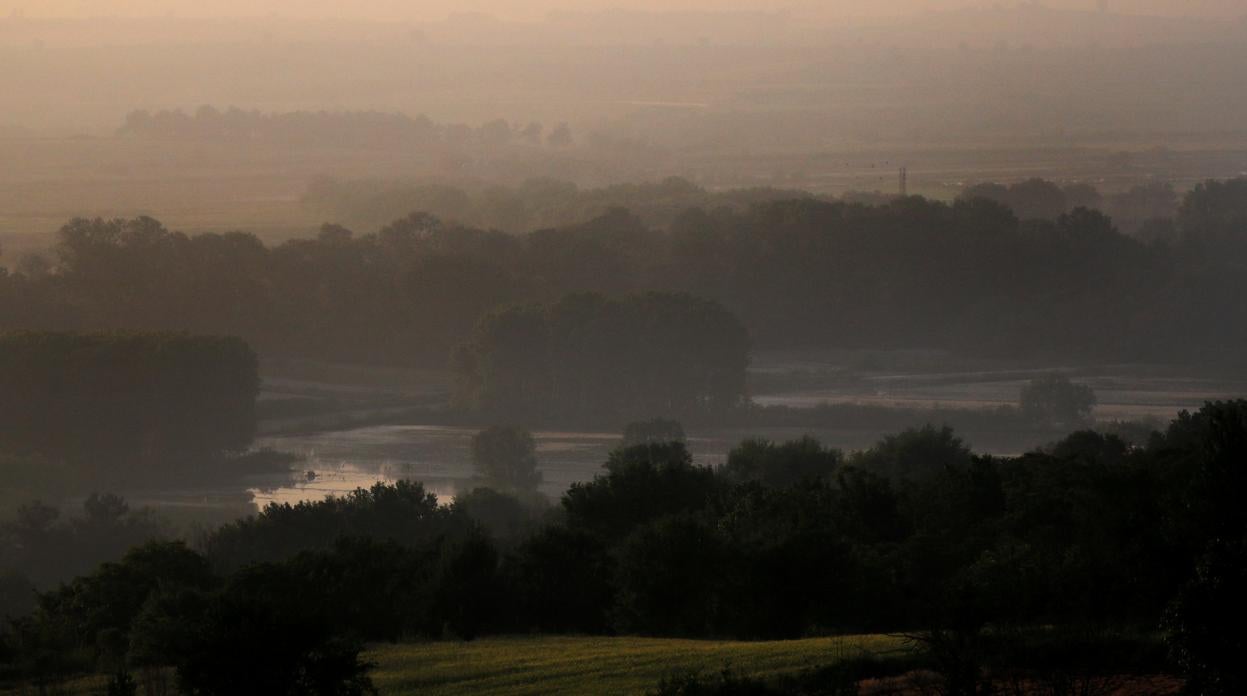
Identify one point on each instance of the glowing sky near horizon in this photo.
(535, 9)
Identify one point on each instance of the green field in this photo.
(585, 665)
(518, 666)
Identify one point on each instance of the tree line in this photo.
(591, 359)
(966, 276)
(118, 406)
(349, 128)
(537, 203)
(1145, 211)
(917, 534)
(42, 544)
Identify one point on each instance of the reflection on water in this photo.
(1121, 394)
(436, 455)
(439, 456)
(338, 479)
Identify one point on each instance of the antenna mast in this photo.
(904, 182)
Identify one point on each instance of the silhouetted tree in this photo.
(669, 576)
(507, 518)
(1034, 198)
(469, 588)
(259, 635)
(1213, 216)
(657, 430)
(916, 453)
(506, 455)
(1204, 622)
(49, 548)
(642, 483)
(590, 358)
(1054, 400)
(404, 512)
(110, 401)
(563, 578)
(1146, 206)
(780, 465)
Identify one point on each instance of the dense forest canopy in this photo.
(1144, 210)
(118, 404)
(1082, 541)
(588, 358)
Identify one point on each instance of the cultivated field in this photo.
(563, 666)
(584, 665)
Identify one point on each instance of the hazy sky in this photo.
(532, 9)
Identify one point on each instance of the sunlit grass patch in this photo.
(594, 665)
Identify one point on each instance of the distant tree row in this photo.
(353, 128)
(534, 204)
(40, 547)
(917, 534)
(589, 358)
(1145, 210)
(967, 276)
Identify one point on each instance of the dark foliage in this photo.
(404, 513)
(43, 546)
(507, 518)
(1054, 400)
(262, 634)
(917, 453)
(1047, 570)
(655, 430)
(108, 600)
(780, 465)
(726, 683)
(564, 581)
(590, 358)
(802, 272)
(1205, 632)
(507, 457)
(120, 404)
(642, 483)
(534, 204)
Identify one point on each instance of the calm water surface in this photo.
(439, 457)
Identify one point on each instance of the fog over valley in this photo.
(682, 348)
